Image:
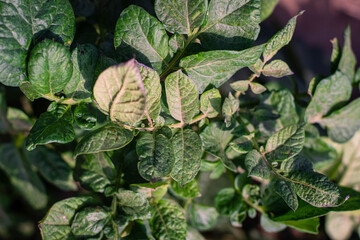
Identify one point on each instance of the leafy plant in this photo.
(148, 119)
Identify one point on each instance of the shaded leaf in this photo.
(285, 191)
(189, 190)
(135, 205)
(307, 225)
(89, 221)
(240, 86)
(227, 201)
(267, 7)
(277, 68)
(84, 118)
(347, 61)
(257, 88)
(210, 103)
(176, 42)
(271, 226)
(202, 217)
(154, 191)
(256, 165)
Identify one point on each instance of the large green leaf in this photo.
(330, 92)
(140, 34)
(156, 156)
(347, 60)
(151, 81)
(168, 221)
(49, 67)
(267, 7)
(107, 138)
(216, 67)
(181, 16)
(96, 172)
(280, 39)
(23, 22)
(210, 103)
(52, 167)
(84, 59)
(56, 223)
(343, 123)
(89, 221)
(55, 125)
(202, 217)
(135, 205)
(119, 92)
(182, 96)
(215, 139)
(231, 24)
(22, 177)
(187, 153)
(256, 165)
(285, 143)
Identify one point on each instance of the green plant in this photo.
(147, 121)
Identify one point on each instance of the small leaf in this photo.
(96, 172)
(267, 7)
(271, 226)
(135, 205)
(52, 167)
(140, 34)
(154, 191)
(224, 30)
(49, 67)
(176, 42)
(89, 221)
(280, 39)
(227, 201)
(240, 86)
(307, 225)
(256, 165)
(55, 125)
(338, 87)
(189, 190)
(156, 156)
(29, 91)
(216, 67)
(107, 138)
(84, 59)
(285, 191)
(335, 55)
(119, 92)
(277, 68)
(210, 103)
(182, 16)
(230, 107)
(22, 177)
(187, 152)
(168, 221)
(56, 223)
(202, 217)
(347, 61)
(242, 144)
(215, 139)
(84, 118)
(182, 96)
(257, 88)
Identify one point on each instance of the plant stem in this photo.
(68, 101)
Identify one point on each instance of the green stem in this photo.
(68, 101)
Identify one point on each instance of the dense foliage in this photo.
(139, 121)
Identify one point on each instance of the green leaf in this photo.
(319, 152)
(55, 125)
(22, 177)
(189, 190)
(181, 16)
(52, 167)
(135, 205)
(182, 96)
(257, 88)
(156, 156)
(286, 143)
(271, 226)
(237, 217)
(176, 42)
(49, 67)
(210, 103)
(242, 144)
(240, 86)
(119, 92)
(267, 7)
(23, 23)
(89, 221)
(225, 30)
(256, 165)
(103, 63)
(280, 39)
(84, 118)
(151, 81)
(202, 217)
(29, 91)
(56, 223)
(347, 61)
(285, 191)
(18, 120)
(140, 34)
(307, 225)
(338, 87)
(216, 67)
(229, 108)
(343, 123)
(277, 68)
(335, 55)
(96, 172)
(215, 139)
(107, 138)
(168, 221)
(154, 191)
(227, 201)
(193, 234)
(306, 211)
(187, 154)
(84, 59)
